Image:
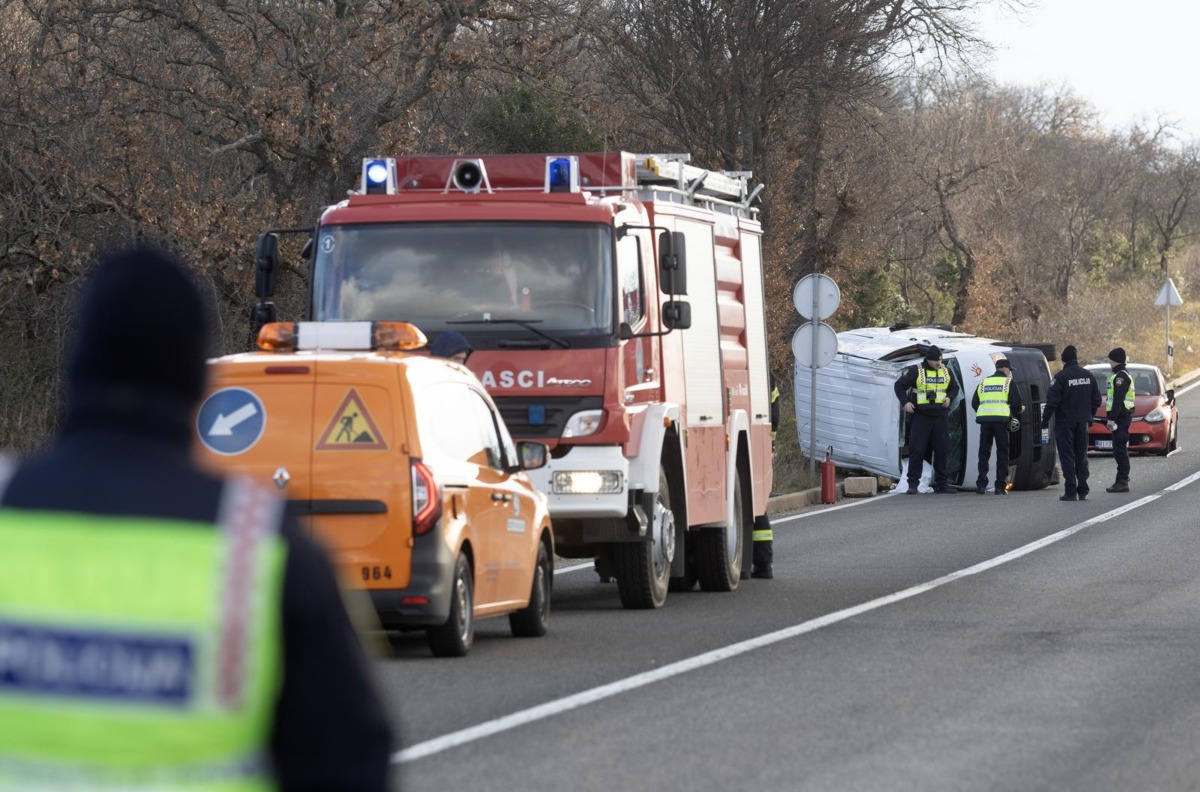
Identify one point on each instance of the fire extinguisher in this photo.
(828, 486)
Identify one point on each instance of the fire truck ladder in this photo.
(669, 176)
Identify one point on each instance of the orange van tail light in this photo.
(427, 501)
(277, 337)
(398, 336)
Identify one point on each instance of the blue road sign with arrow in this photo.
(231, 421)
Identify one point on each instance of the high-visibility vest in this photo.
(932, 385)
(140, 653)
(993, 397)
(1129, 394)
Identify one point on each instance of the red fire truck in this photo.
(615, 305)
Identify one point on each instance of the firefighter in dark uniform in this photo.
(1119, 404)
(764, 550)
(934, 390)
(199, 636)
(996, 403)
(1073, 399)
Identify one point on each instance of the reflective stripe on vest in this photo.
(140, 653)
(1129, 394)
(993, 397)
(932, 385)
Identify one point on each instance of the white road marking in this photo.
(815, 512)
(576, 568)
(568, 703)
(1188, 388)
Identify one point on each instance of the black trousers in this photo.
(928, 430)
(1121, 447)
(764, 544)
(1071, 439)
(997, 430)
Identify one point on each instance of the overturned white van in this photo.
(859, 416)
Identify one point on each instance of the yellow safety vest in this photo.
(140, 653)
(932, 385)
(1129, 394)
(993, 397)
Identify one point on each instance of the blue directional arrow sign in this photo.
(231, 421)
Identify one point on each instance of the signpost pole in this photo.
(812, 412)
(1170, 357)
(1169, 296)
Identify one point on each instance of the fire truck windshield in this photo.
(440, 276)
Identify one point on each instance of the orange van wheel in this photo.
(533, 620)
(455, 637)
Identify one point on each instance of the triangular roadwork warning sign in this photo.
(351, 428)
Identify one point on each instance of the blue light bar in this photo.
(562, 174)
(379, 176)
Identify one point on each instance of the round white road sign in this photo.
(802, 345)
(828, 296)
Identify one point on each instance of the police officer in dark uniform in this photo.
(764, 538)
(934, 390)
(1072, 401)
(996, 403)
(119, 549)
(1119, 406)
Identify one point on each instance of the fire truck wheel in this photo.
(533, 620)
(454, 638)
(719, 550)
(644, 568)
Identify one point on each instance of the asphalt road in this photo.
(928, 642)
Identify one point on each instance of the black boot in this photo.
(1120, 485)
(764, 549)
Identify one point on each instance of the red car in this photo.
(1155, 426)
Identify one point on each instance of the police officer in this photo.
(451, 345)
(160, 627)
(764, 545)
(1119, 405)
(934, 390)
(996, 403)
(1072, 401)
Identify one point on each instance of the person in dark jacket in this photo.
(452, 345)
(763, 552)
(996, 403)
(934, 390)
(262, 675)
(1119, 406)
(1072, 401)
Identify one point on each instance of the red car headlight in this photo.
(1157, 415)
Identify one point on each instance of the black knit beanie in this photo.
(1069, 354)
(142, 335)
(1117, 355)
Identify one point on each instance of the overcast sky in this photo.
(1135, 60)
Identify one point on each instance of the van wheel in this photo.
(533, 620)
(644, 568)
(719, 550)
(454, 638)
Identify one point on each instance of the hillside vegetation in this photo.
(929, 197)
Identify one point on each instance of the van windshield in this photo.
(555, 276)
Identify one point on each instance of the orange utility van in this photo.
(400, 464)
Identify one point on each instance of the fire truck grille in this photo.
(542, 418)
